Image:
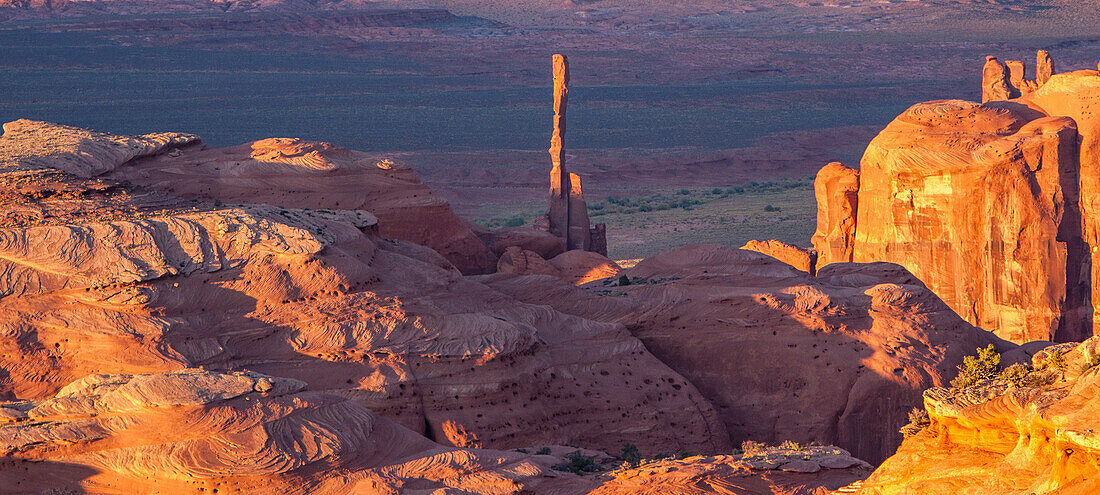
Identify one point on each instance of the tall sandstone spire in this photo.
(568, 216)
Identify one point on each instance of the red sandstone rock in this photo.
(99, 277)
(1036, 438)
(544, 243)
(576, 266)
(995, 81)
(1044, 67)
(972, 199)
(568, 215)
(836, 188)
(802, 259)
(200, 431)
(782, 355)
(580, 267)
(1077, 95)
(292, 173)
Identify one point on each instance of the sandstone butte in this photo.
(991, 205)
(155, 343)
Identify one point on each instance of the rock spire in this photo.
(568, 215)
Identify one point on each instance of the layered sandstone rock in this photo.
(101, 277)
(1077, 95)
(292, 173)
(989, 205)
(200, 431)
(972, 198)
(802, 259)
(1035, 437)
(780, 471)
(836, 189)
(839, 359)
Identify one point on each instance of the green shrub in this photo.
(1057, 360)
(772, 208)
(578, 463)
(717, 190)
(515, 222)
(1015, 374)
(974, 369)
(918, 420)
(630, 455)
(685, 454)
(624, 280)
(543, 451)
(684, 192)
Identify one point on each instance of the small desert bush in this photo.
(1039, 379)
(1015, 374)
(579, 464)
(543, 451)
(624, 280)
(750, 447)
(974, 369)
(630, 455)
(790, 445)
(918, 420)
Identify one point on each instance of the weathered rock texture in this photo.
(772, 471)
(101, 277)
(195, 431)
(292, 173)
(838, 359)
(802, 259)
(1005, 439)
(576, 267)
(836, 188)
(989, 205)
(996, 85)
(568, 216)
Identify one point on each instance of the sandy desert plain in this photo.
(383, 300)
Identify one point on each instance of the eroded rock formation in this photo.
(1035, 436)
(836, 188)
(838, 359)
(802, 259)
(98, 276)
(989, 205)
(200, 431)
(568, 215)
(293, 173)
